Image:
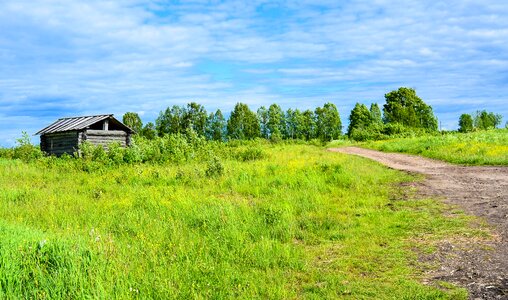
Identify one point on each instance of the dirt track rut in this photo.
(480, 191)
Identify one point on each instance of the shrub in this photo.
(7, 153)
(86, 150)
(316, 142)
(133, 154)
(24, 149)
(99, 154)
(214, 167)
(249, 154)
(394, 129)
(373, 132)
(276, 138)
(115, 153)
(173, 148)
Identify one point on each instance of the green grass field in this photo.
(298, 223)
(476, 148)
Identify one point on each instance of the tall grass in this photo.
(475, 148)
(291, 221)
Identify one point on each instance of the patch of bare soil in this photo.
(482, 268)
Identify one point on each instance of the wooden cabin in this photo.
(65, 135)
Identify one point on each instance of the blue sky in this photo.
(67, 58)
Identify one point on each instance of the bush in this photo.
(373, 132)
(399, 130)
(394, 129)
(386, 131)
(250, 154)
(276, 138)
(132, 154)
(86, 151)
(176, 148)
(214, 167)
(173, 148)
(24, 149)
(115, 153)
(7, 153)
(316, 142)
(99, 154)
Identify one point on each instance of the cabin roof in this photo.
(79, 123)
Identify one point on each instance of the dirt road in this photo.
(480, 191)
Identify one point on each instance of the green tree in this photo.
(375, 113)
(149, 131)
(275, 122)
(427, 119)
(465, 123)
(308, 124)
(328, 123)
(132, 120)
(294, 124)
(170, 121)
(243, 123)
(216, 126)
(299, 125)
(359, 119)
(289, 130)
(262, 114)
(486, 120)
(403, 106)
(195, 117)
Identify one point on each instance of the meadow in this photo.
(489, 147)
(250, 220)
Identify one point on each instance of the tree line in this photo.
(243, 124)
(403, 113)
(480, 120)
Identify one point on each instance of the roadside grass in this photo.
(475, 148)
(292, 222)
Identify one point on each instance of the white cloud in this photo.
(112, 56)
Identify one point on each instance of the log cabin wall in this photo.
(106, 137)
(59, 143)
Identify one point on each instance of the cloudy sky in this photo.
(67, 58)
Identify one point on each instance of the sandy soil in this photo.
(481, 268)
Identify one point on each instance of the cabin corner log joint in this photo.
(66, 134)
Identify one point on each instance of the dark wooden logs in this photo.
(60, 142)
(69, 142)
